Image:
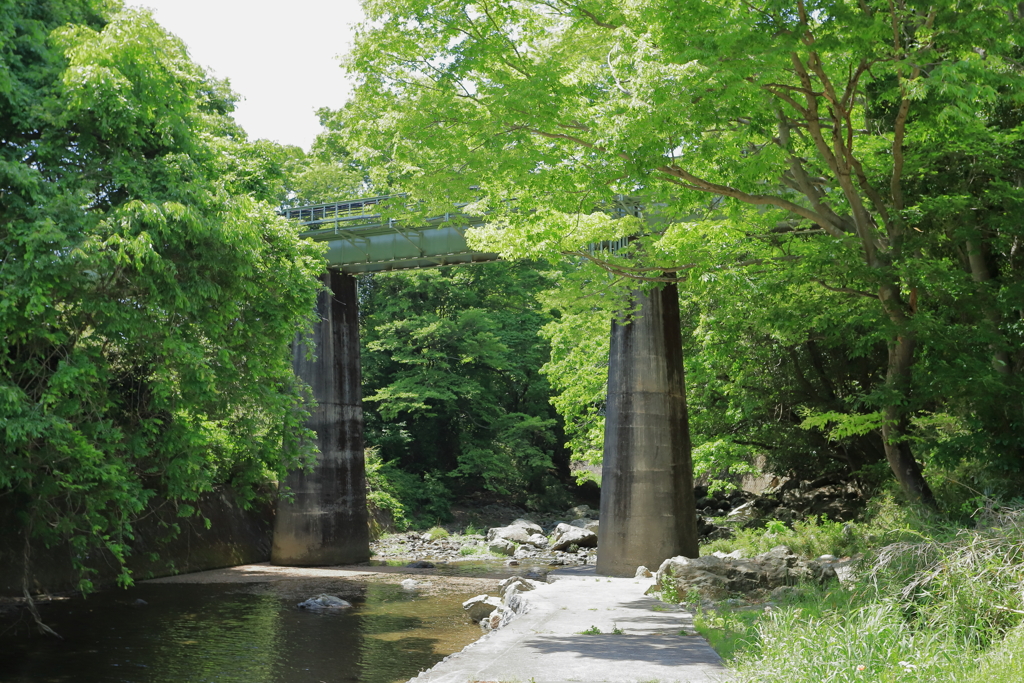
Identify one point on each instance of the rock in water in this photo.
(420, 564)
(325, 602)
(480, 607)
(501, 546)
(411, 585)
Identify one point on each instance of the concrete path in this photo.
(546, 645)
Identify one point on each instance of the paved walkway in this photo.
(546, 645)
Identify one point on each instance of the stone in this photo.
(531, 527)
(719, 573)
(517, 582)
(581, 511)
(501, 546)
(588, 524)
(744, 513)
(516, 534)
(410, 584)
(566, 535)
(420, 564)
(537, 540)
(480, 607)
(324, 602)
(642, 572)
(524, 552)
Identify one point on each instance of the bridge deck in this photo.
(361, 240)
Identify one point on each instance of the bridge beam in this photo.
(648, 512)
(326, 521)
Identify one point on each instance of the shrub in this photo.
(437, 532)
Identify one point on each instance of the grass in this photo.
(931, 601)
(436, 533)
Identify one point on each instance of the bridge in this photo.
(647, 505)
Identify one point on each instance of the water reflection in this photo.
(228, 633)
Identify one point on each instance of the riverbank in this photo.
(585, 627)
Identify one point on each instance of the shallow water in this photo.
(483, 569)
(251, 633)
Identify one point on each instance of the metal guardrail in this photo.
(362, 240)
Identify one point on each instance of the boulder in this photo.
(566, 535)
(324, 602)
(411, 585)
(480, 607)
(581, 511)
(524, 552)
(532, 527)
(420, 564)
(538, 540)
(501, 546)
(517, 582)
(516, 534)
(713, 575)
(588, 524)
(642, 572)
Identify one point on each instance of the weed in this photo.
(727, 631)
(617, 631)
(592, 631)
(437, 532)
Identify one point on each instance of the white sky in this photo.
(281, 56)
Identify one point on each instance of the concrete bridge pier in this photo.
(326, 522)
(648, 511)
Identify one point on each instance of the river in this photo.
(241, 632)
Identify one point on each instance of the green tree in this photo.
(782, 116)
(148, 290)
(451, 383)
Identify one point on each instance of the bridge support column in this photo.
(647, 506)
(326, 522)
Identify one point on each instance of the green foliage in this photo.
(437, 532)
(929, 607)
(592, 631)
(728, 631)
(451, 386)
(885, 522)
(382, 492)
(842, 218)
(148, 290)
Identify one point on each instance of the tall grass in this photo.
(939, 603)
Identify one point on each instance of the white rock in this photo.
(516, 534)
(501, 546)
(517, 582)
(480, 606)
(411, 584)
(538, 540)
(566, 535)
(532, 527)
(642, 572)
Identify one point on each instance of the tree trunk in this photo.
(894, 426)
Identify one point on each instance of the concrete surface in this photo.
(325, 522)
(546, 644)
(648, 511)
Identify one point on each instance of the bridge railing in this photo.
(350, 210)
